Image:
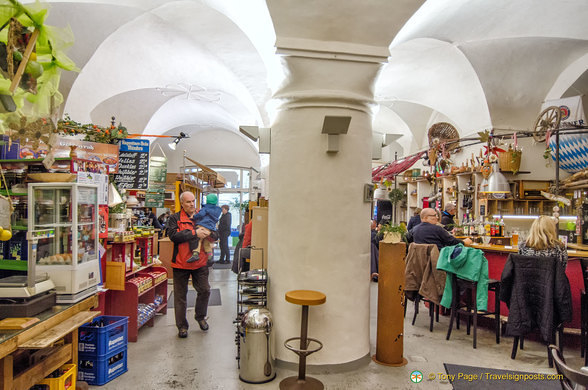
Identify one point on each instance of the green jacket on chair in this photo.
(466, 263)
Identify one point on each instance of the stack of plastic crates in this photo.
(63, 378)
(102, 348)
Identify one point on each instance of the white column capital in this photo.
(328, 74)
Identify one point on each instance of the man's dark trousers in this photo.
(225, 255)
(200, 283)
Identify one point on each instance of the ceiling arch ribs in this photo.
(198, 66)
(435, 74)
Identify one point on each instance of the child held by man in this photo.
(207, 219)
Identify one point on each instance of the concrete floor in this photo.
(160, 360)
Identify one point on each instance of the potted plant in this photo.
(391, 233)
(396, 195)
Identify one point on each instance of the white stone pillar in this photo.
(319, 232)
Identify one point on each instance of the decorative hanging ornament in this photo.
(486, 170)
(432, 156)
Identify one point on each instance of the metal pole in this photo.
(303, 343)
(394, 214)
(557, 162)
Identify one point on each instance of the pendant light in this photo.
(496, 183)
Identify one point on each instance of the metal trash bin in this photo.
(257, 363)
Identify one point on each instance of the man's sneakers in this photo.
(203, 324)
(183, 333)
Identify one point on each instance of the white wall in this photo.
(211, 147)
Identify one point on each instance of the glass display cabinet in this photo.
(63, 237)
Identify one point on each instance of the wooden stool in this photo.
(305, 298)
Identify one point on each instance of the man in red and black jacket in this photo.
(180, 230)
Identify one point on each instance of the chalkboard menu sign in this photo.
(133, 164)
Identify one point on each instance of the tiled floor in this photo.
(159, 360)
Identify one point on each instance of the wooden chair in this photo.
(415, 279)
(469, 307)
(569, 376)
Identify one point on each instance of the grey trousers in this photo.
(200, 283)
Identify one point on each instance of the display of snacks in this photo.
(158, 277)
(145, 312)
(143, 231)
(126, 236)
(143, 283)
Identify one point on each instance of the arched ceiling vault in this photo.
(475, 63)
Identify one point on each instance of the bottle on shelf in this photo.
(487, 227)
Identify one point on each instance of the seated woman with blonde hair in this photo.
(543, 241)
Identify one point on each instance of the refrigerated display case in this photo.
(63, 236)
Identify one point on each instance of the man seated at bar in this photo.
(447, 216)
(543, 241)
(428, 232)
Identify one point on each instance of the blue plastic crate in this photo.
(99, 341)
(98, 370)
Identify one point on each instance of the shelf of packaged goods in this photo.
(32, 160)
(161, 307)
(160, 282)
(145, 291)
(125, 302)
(13, 265)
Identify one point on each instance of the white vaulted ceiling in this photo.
(475, 63)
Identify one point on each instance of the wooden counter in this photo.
(572, 253)
(59, 322)
(497, 255)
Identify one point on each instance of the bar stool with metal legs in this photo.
(305, 298)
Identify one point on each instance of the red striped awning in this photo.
(395, 167)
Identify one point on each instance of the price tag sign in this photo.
(133, 164)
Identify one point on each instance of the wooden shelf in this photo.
(161, 307)
(578, 246)
(125, 302)
(517, 173)
(32, 160)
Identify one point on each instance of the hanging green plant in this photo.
(42, 49)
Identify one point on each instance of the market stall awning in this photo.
(395, 167)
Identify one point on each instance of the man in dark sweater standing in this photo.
(428, 232)
(224, 231)
(447, 216)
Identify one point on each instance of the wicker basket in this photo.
(444, 132)
(508, 162)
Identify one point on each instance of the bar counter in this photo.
(497, 255)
